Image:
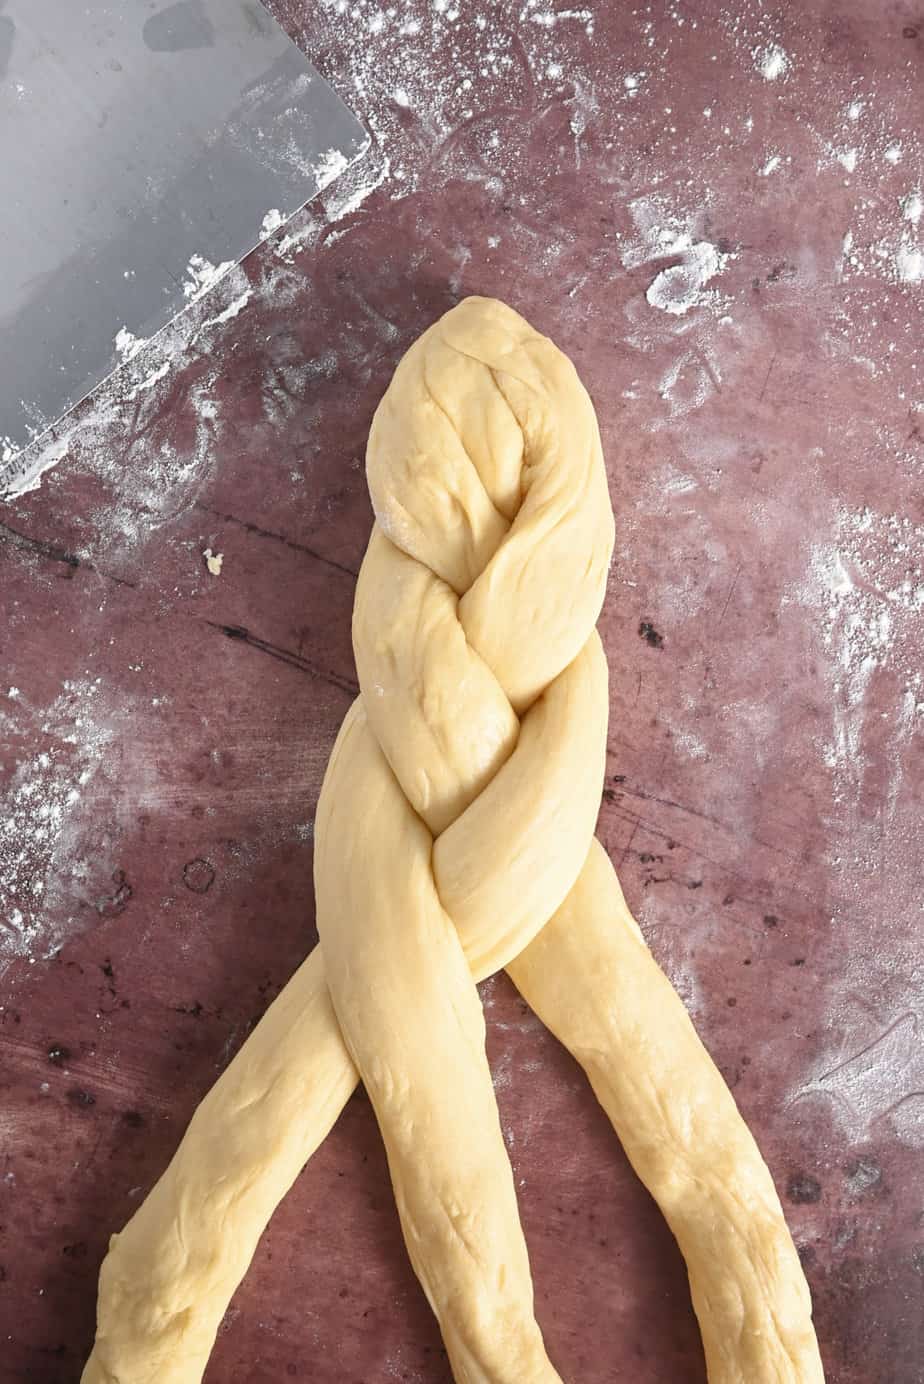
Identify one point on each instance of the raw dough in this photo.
(452, 838)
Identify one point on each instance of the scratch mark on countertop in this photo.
(731, 592)
(250, 527)
(54, 553)
(287, 656)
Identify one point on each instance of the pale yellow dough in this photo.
(454, 836)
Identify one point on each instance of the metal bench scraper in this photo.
(142, 146)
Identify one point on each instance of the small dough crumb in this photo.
(213, 561)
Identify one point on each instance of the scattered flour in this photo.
(659, 232)
(234, 308)
(912, 206)
(882, 1080)
(693, 341)
(870, 584)
(330, 166)
(908, 255)
(159, 373)
(202, 275)
(909, 263)
(674, 482)
(24, 470)
(128, 345)
(688, 745)
(771, 62)
(690, 379)
(548, 18)
(678, 289)
(41, 811)
(271, 222)
(302, 231)
(357, 184)
(865, 585)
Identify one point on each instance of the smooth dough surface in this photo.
(454, 836)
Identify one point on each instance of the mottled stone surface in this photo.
(715, 209)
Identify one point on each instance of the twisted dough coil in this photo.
(454, 836)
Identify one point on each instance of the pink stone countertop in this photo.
(716, 210)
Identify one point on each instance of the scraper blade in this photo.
(145, 148)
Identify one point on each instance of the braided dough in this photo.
(454, 836)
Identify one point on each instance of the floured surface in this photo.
(765, 453)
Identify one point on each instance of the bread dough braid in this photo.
(454, 836)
